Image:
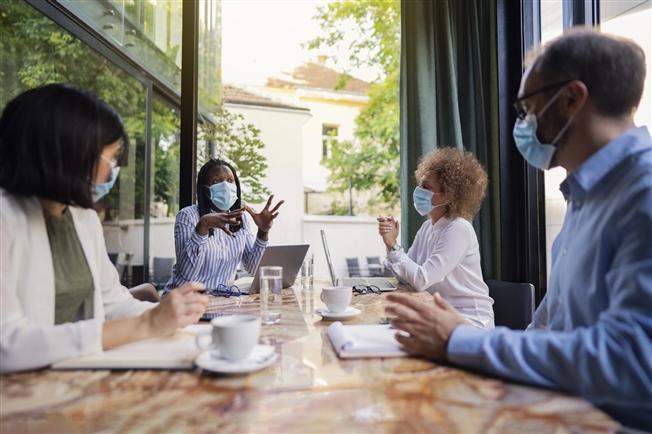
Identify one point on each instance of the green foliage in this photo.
(35, 51)
(373, 162)
(239, 143)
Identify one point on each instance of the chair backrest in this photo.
(513, 303)
(162, 270)
(373, 260)
(353, 266)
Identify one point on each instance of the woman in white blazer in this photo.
(59, 151)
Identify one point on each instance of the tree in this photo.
(239, 143)
(35, 51)
(373, 160)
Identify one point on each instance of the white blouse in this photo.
(445, 258)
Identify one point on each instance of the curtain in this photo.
(449, 97)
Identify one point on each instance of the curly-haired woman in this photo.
(445, 257)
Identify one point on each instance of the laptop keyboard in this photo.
(381, 283)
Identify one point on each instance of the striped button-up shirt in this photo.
(212, 260)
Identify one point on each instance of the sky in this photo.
(264, 38)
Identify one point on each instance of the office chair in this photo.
(513, 303)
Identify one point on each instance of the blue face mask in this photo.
(533, 151)
(102, 189)
(423, 200)
(223, 195)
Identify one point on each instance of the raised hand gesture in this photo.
(265, 217)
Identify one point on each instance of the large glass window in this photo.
(165, 190)
(631, 19)
(35, 51)
(628, 18)
(552, 25)
(149, 31)
(319, 95)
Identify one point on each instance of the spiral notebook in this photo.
(364, 340)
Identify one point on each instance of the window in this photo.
(328, 135)
(326, 79)
(628, 18)
(631, 19)
(552, 25)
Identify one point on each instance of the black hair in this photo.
(204, 203)
(51, 138)
(611, 67)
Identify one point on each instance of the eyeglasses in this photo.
(366, 289)
(521, 112)
(224, 291)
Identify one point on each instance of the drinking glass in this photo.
(307, 276)
(271, 284)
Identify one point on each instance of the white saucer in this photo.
(350, 312)
(261, 357)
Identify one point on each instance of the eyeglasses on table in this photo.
(224, 291)
(366, 289)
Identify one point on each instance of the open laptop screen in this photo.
(328, 257)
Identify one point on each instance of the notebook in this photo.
(172, 352)
(364, 340)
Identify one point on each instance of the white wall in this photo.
(126, 236)
(281, 131)
(315, 176)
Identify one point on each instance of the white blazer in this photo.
(28, 337)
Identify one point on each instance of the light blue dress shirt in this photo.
(212, 260)
(592, 333)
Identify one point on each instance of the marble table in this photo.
(308, 390)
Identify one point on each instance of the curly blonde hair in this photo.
(461, 175)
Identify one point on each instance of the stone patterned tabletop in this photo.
(307, 390)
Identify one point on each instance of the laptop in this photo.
(382, 283)
(288, 257)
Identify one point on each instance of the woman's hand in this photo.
(219, 220)
(265, 218)
(181, 307)
(388, 230)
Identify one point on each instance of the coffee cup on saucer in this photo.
(337, 298)
(234, 336)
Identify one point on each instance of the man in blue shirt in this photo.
(592, 333)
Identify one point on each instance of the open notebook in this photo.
(173, 352)
(364, 340)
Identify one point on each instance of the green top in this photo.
(72, 278)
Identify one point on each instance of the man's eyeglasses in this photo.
(366, 289)
(224, 291)
(521, 111)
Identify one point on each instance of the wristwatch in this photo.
(395, 248)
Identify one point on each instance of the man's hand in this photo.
(429, 324)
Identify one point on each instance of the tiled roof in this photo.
(318, 76)
(236, 95)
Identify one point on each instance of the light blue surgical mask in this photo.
(533, 151)
(99, 190)
(223, 194)
(423, 200)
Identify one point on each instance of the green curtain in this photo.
(449, 97)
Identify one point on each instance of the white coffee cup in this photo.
(337, 298)
(234, 336)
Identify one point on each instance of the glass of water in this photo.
(271, 284)
(307, 272)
